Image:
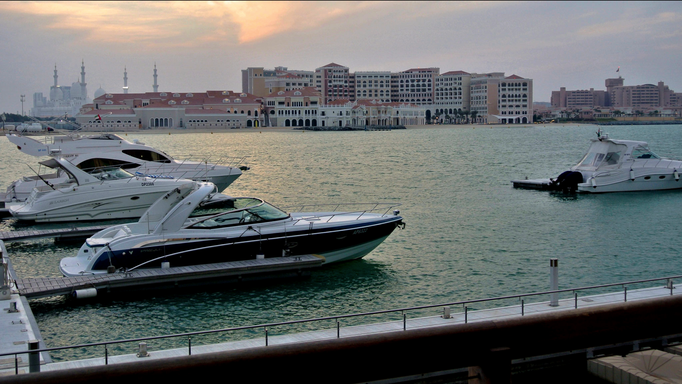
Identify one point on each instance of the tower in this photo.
(125, 80)
(84, 89)
(55, 75)
(156, 86)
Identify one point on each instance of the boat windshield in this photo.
(641, 152)
(235, 211)
(111, 174)
(602, 154)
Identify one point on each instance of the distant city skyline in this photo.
(199, 46)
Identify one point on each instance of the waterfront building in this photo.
(643, 99)
(333, 82)
(293, 108)
(579, 99)
(371, 85)
(158, 110)
(514, 101)
(415, 86)
(375, 113)
(259, 81)
(63, 100)
(645, 96)
(452, 95)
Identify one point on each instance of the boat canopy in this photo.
(612, 153)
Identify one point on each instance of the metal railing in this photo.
(403, 311)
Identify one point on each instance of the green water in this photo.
(469, 234)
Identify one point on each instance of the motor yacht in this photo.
(105, 193)
(612, 165)
(111, 150)
(182, 229)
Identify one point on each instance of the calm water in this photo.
(469, 234)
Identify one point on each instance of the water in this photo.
(469, 234)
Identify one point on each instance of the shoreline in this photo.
(171, 131)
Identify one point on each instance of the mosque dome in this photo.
(56, 93)
(99, 92)
(76, 90)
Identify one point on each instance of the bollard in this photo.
(446, 312)
(143, 350)
(553, 282)
(33, 357)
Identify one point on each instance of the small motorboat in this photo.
(104, 194)
(193, 227)
(110, 150)
(614, 166)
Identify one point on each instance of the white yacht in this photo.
(108, 193)
(110, 150)
(612, 165)
(180, 229)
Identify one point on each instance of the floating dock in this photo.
(166, 278)
(61, 234)
(541, 184)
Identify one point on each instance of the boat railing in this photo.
(226, 161)
(346, 209)
(442, 309)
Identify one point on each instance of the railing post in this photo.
(575, 294)
(338, 329)
(189, 343)
(266, 336)
(625, 293)
(5, 291)
(522, 307)
(33, 357)
(553, 282)
(466, 314)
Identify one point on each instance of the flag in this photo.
(99, 118)
(618, 70)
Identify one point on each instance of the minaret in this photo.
(125, 80)
(84, 90)
(55, 75)
(156, 86)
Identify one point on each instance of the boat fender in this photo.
(84, 293)
(594, 183)
(632, 175)
(676, 175)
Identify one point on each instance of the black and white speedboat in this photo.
(110, 150)
(182, 229)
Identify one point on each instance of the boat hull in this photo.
(93, 202)
(337, 244)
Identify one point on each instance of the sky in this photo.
(198, 46)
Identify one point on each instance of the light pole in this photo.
(22, 104)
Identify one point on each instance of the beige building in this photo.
(414, 86)
(156, 110)
(646, 97)
(372, 86)
(452, 93)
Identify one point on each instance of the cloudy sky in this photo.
(200, 46)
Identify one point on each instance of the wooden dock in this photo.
(174, 277)
(60, 234)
